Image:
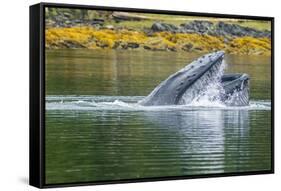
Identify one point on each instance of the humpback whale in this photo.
(190, 82)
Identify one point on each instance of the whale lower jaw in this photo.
(239, 98)
(236, 88)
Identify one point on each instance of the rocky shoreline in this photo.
(195, 36)
(209, 28)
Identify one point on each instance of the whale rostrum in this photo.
(192, 81)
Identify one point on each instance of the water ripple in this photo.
(73, 102)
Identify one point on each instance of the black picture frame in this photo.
(37, 94)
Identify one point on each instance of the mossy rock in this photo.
(187, 47)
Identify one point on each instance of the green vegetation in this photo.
(149, 18)
(259, 25)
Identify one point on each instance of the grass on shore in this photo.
(180, 19)
(146, 24)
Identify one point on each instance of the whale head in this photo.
(187, 82)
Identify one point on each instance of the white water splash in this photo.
(210, 94)
(130, 103)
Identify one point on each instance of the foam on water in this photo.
(130, 103)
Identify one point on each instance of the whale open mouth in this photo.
(203, 79)
(210, 76)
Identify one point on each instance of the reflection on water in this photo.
(137, 73)
(93, 138)
(97, 138)
(202, 136)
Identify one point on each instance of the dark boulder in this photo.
(123, 16)
(129, 45)
(160, 27)
(96, 22)
(237, 30)
(72, 44)
(187, 47)
(201, 27)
